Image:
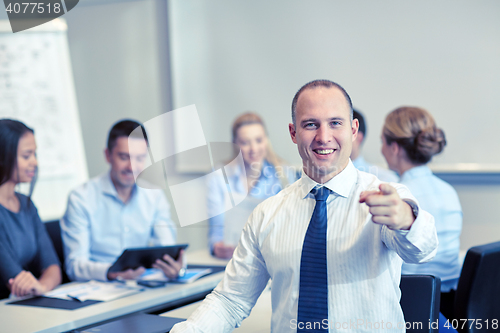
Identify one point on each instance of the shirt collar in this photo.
(108, 187)
(341, 184)
(415, 172)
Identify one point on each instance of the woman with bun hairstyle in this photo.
(28, 261)
(410, 138)
(265, 175)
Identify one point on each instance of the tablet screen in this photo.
(144, 256)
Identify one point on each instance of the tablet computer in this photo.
(144, 256)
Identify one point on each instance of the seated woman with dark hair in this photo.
(28, 261)
(410, 139)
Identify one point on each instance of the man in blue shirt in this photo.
(110, 213)
(357, 159)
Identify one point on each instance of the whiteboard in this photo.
(232, 56)
(36, 87)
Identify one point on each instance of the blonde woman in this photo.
(265, 175)
(410, 138)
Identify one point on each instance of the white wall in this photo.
(116, 65)
(230, 56)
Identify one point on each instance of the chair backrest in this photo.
(478, 291)
(420, 297)
(54, 231)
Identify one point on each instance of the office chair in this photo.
(54, 231)
(478, 290)
(420, 297)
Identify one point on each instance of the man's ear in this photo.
(354, 128)
(107, 153)
(291, 129)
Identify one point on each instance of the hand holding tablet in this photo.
(129, 274)
(132, 262)
(170, 267)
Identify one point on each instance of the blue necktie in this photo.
(313, 288)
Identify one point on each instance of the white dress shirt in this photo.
(364, 260)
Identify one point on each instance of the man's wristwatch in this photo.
(414, 207)
(182, 272)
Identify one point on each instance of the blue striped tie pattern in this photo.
(313, 287)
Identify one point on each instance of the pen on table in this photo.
(74, 298)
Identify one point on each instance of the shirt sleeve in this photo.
(76, 239)
(232, 300)
(9, 267)
(417, 245)
(164, 231)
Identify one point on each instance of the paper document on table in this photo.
(191, 274)
(93, 290)
(153, 274)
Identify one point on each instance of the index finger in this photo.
(387, 189)
(366, 194)
(168, 259)
(140, 270)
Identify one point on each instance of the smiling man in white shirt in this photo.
(371, 228)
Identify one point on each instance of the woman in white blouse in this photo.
(410, 138)
(265, 175)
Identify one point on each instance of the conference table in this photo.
(29, 319)
(259, 320)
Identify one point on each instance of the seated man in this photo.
(110, 213)
(359, 162)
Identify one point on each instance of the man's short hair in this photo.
(123, 128)
(315, 84)
(362, 125)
